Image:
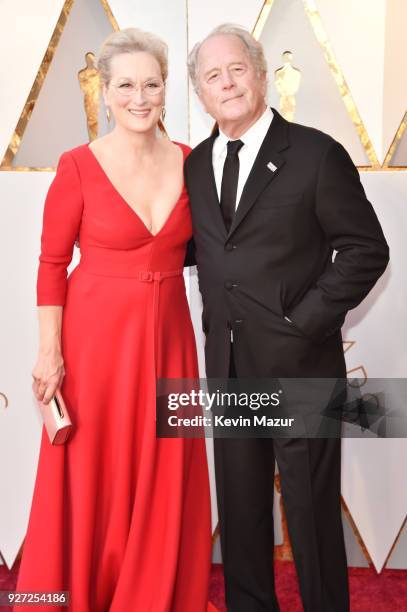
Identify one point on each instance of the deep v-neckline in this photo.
(126, 203)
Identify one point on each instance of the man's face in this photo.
(229, 87)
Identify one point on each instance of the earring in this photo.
(108, 114)
(163, 113)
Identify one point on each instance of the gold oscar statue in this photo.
(287, 82)
(89, 84)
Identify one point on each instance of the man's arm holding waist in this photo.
(353, 230)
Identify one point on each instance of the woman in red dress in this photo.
(120, 518)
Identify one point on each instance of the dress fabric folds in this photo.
(119, 518)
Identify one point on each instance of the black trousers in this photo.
(310, 484)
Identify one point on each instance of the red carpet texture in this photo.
(370, 592)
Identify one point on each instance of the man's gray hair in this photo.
(254, 48)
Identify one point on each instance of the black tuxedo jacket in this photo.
(277, 258)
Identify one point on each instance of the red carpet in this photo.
(370, 592)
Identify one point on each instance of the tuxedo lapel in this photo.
(266, 167)
(209, 185)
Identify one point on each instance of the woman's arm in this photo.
(61, 223)
(49, 369)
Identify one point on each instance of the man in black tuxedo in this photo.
(271, 202)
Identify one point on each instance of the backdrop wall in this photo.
(352, 58)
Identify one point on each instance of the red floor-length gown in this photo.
(119, 518)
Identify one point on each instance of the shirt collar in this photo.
(251, 139)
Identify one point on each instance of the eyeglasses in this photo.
(149, 88)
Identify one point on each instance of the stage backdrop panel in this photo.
(362, 44)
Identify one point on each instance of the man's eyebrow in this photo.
(210, 70)
(236, 63)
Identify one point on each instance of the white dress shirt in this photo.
(252, 141)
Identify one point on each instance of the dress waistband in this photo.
(146, 276)
(132, 263)
(120, 271)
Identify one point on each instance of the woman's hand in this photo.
(49, 369)
(48, 374)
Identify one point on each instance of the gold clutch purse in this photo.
(56, 419)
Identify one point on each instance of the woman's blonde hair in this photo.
(131, 40)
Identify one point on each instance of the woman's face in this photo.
(135, 93)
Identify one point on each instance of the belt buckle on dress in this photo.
(147, 277)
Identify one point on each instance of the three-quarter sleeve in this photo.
(61, 221)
